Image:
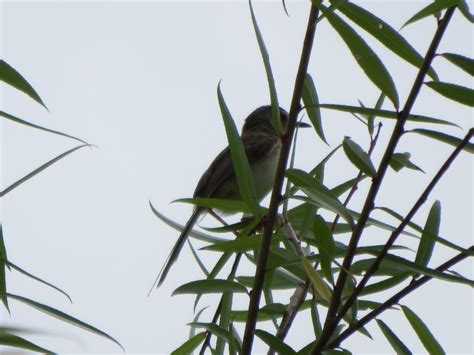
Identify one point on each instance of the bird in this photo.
(262, 146)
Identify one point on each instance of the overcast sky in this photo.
(139, 80)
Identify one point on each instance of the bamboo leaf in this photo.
(8, 339)
(431, 10)
(385, 34)
(462, 62)
(39, 169)
(239, 157)
(190, 345)
(367, 59)
(454, 92)
(443, 137)
(318, 284)
(10, 76)
(392, 338)
(209, 286)
(358, 157)
(423, 333)
(311, 102)
(427, 242)
(325, 242)
(26, 123)
(274, 343)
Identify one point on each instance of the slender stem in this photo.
(330, 325)
(277, 187)
(396, 298)
(396, 233)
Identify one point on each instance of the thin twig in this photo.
(396, 299)
(287, 139)
(329, 324)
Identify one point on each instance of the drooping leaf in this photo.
(367, 59)
(427, 242)
(392, 338)
(63, 316)
(385, 34)
(385, 114)
(15, 341)
(399, 161)
(325, 242)
(39, 169)
(431, 10)
(462, 62)
(239, 157)
(311, 101)
(384, 284)
(318, 284)
(192, 331)
(3, 269)
(268, 70)
(464, 9)
(218, 204)
(443, 137)
(426, 337)
(10, 76)
(358, 157)
(454, 92)
(214, 329)
(190, 345)
(197, 258)
(26, 123)
(274, 343)
(209, 286)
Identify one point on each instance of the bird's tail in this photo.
(177, 248)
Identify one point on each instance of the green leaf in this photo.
(198, 260)
(398, 161)
(464, 9)
(192, 331)
(427, 242)
(318, 284)
(273, 308)
(384, 285)
(190, 345)
(369, 62)
(214, 329)
(316, 319)
(423, 333)
(385, 34)
(358, 157)
(371, 118)
(23, 122)
(276, 120)
(209, 286)
(240, 244)
(392, 338)
(311, 102)
(462, 62)
(454, 92)
(218, 204)
(345, 186)
(40, 169)
(318, 193)
(274, 343)
(179, 227)
(63, 316)
(431, 10)
(224, 321)
(3, 269)
(385, 114)
(10, 76)
(443, 137)
(12, 340)
(325, 242)
(239, 157)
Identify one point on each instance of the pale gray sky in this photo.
(139, 80)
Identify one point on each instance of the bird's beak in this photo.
(302, 125)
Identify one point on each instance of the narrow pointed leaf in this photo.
(398, 161)
(3, 269)
(443, 137)
(40, 169)
(423, 333)
(384, 285)
(363, 54)
(12, 340)
(198, 260)
(192, 331)
(239, 157)
(325, 242)
(385, 34)
(209, 286)
(274, 343)
(26, 123)
(466, 12)
(371, 118)
(63, 316)
(10, 76)
(316, 319)
(268, 69)
(358, 157)
(427, 242)
(190, 345)
(462, 62)
(392, 338)
(454, 92)
(311, 102)
(385, 114)
(318, 284)
(214, 329)
(431, 10)
(240, 244)
(218, 204)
